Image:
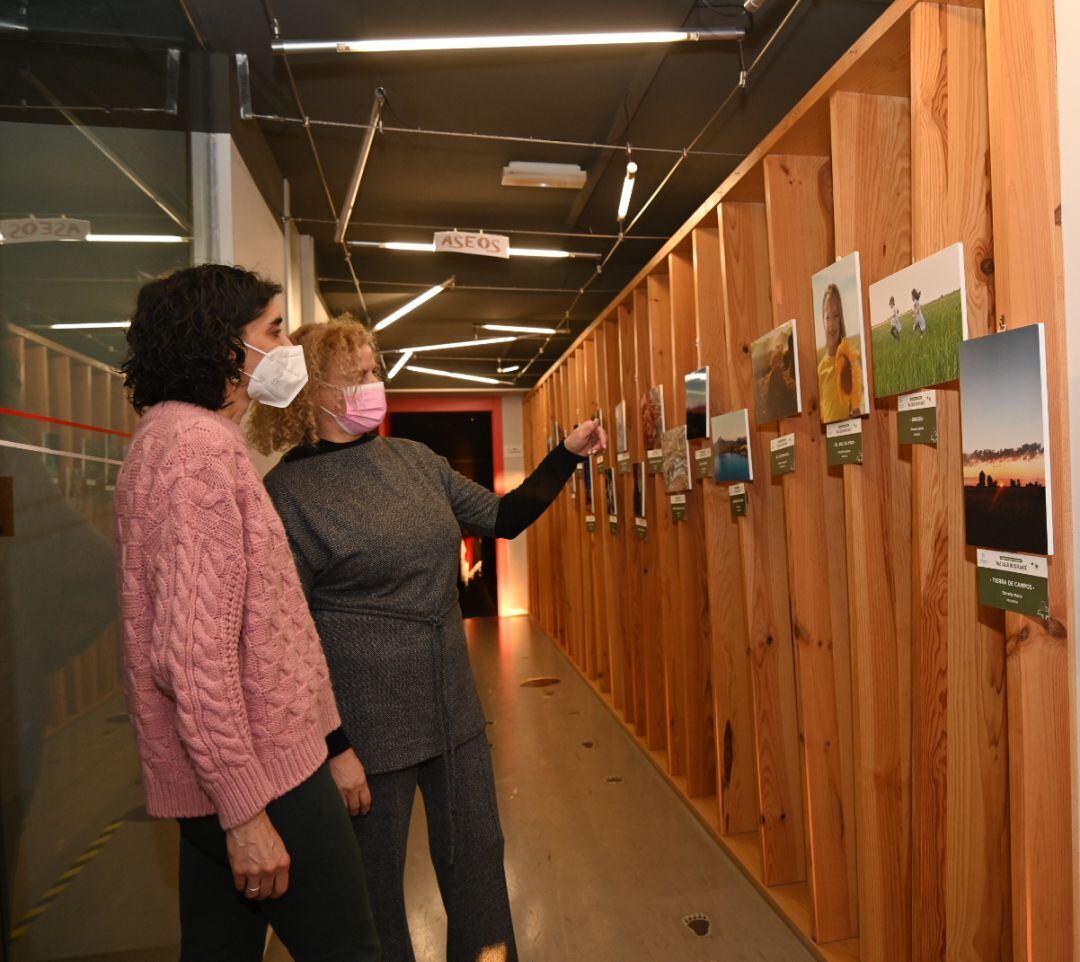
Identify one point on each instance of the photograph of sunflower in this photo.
(840, 338)
(677, 475)
(652, 417)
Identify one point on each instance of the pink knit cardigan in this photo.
(226, 681)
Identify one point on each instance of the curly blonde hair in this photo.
(332, 354)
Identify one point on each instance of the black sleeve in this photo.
(337, 743)
(521, 507)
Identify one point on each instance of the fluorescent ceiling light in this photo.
(90, 327)
(410, 44)
(137, 238)
(453, 344)
(517, 329)
(454, 374)
(520, 173)
(413, 304)
(627, 189)
(422, 248)
(508, 370)
(401, 362)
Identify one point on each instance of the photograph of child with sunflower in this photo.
(838, 327)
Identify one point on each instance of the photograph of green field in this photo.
(918, 321)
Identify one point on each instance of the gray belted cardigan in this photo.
(375, 526)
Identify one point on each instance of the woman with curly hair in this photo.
(226, 681)
(375, 525)
(840, 368)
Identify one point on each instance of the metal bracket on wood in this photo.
(243, 85)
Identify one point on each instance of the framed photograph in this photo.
(610, 493)
(677, 474)
(639, 489)
(1006, 441)
(652, 417)
(775, 361)
(697, 404)
(839, 337)
(590, 504)
(732, 458)
(918, 320)
(622, 444)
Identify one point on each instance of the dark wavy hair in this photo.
(184, 342)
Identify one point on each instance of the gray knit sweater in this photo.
(375, 528)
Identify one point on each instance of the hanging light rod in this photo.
(627, 189)
(519, 329)
(509, 369)
(416, 369)
(414, 304)
(414, 44)
(361, 164)
(476, 342)
(88, 326)
(418, 247)
(398, 365)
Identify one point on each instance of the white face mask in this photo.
(278, 377)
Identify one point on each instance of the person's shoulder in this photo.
(185, 439)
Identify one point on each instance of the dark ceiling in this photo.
(656, 96)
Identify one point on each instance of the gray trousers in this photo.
(466, 844)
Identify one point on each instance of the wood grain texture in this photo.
(733, 711)
(671, 607)
(648, 554)
(601, 644)
(1023, 108)
(748, 309)
(573, 597)
(871, 161)
(798, 193)
(960, 811)
(587, 540)
(696, 641)
(632, 639)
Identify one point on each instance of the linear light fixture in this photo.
(627, 189)
(413, 304)
(519, 329)
(399, 364)
(413, 44)
(457, 375)
(137, 238)
(453, 344)
(422, 248)
(361, 163)
(508, 370)
(99, 326)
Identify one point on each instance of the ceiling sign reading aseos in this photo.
(461, 242)
(34, 230)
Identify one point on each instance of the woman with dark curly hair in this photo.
(226, 681)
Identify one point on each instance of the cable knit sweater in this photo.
(226, 680)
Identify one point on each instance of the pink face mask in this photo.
(365, 408)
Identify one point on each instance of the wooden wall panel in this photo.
(597, 660)
(960, 868)
(584, 648)
(648, 557)
(1022, 86)
(745, 262)
(732, 698)
(871, 160)
(671, 607)
(798, 194)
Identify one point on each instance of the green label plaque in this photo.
(1014, 582)
(655, 460)
(843, 440)
(703, 462)
(737, 496)
(918, 418)
(678, 507)
(623, 461)
(782, 454)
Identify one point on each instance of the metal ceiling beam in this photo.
(345, 212)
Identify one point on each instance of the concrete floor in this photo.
(604, 861)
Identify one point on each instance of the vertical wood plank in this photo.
(798, 194)
(732, 697)
(960, 864)
(1023, 116)
(599, 655)
(696, 640)
(871, 150)
(659, 291)
(648, 553)
(744, 243)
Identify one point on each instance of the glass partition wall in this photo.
(94, 148)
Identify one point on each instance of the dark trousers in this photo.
(466, 849)
(323, 917)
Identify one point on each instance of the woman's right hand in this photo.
(257, 856)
